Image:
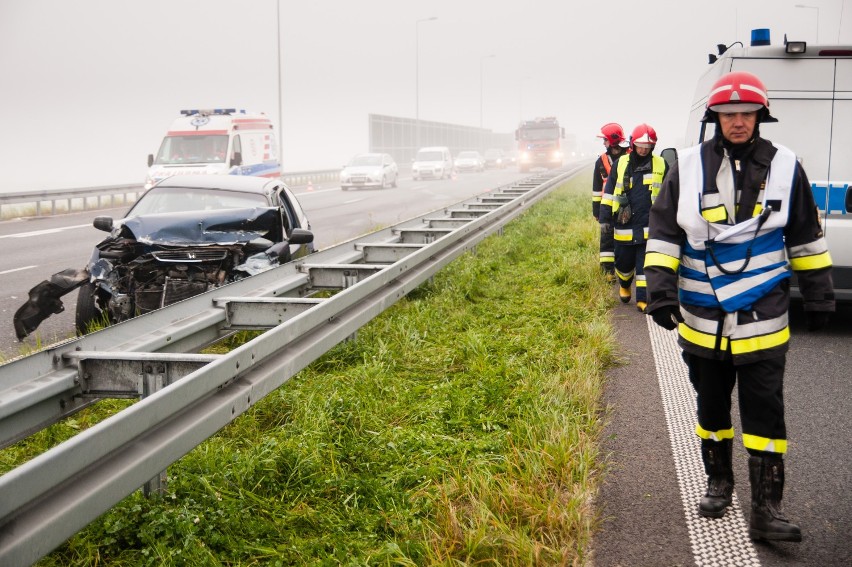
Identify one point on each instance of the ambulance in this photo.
(219, 141)
(810, 93)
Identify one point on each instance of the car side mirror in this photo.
(670, 155)
(301, 236)
(849, 199)
(150, 160)
(103, 223)
(237, 159)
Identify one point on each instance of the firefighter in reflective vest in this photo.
(625, 206)
(735, 214)
(615, 144)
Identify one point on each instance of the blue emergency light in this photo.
(760, 37)
(220, 111)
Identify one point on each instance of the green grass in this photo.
(462, 427)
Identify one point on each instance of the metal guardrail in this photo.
(85, 195)
(186, 398)
(69, 195)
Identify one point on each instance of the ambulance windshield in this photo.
(192, 149)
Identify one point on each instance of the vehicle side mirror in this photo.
(849, 199)
(301, 236)
(150, 160)
(670, 155)
(103, 223)
(237, 159)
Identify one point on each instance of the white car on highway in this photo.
(369, 170)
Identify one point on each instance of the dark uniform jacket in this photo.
(803, 231)
(638, 195)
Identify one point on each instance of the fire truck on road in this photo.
(539, 143)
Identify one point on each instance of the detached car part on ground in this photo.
(186, 235)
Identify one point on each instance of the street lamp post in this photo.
(280, 108)
(417, 77)
(481, 61)
(817, 11)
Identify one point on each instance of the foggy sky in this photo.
(89, 87)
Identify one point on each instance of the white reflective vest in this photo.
(732, 266)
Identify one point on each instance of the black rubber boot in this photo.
(720, 477)
(766, 474)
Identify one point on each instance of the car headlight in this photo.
(557, 154)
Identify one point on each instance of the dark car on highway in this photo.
(184, 236)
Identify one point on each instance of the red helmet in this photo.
(739, 91)
(644, 136)
(612, 133)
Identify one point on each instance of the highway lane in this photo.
(35, 248)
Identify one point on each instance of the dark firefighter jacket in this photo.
(634, 181)
(760, 331)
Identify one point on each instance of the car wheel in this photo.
(395, 179)
(87, 313)
(343, 187)
(384, 182)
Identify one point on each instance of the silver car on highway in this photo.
(369, 170)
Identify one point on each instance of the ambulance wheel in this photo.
(87, 313)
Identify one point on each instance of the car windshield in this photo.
(178, 150)
(182, 199)
(430, 156)
(468, 155)
(366, 160)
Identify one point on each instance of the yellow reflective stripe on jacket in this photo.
(814, 262)
(714, 435)
(764, 444)
(623, 234)
(661, 260)
(715, 214)
(658, 171)
(705, 340)
(760, 342)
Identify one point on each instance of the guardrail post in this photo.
(153, 380)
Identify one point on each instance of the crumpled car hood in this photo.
(200, 228)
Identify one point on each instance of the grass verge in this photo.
(461, 428)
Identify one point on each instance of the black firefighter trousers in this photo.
(760, 392)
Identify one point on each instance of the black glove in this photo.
(816, 320)
(606, 228)
(667, 316)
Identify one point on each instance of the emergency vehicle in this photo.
(539, 143)
(222, 141)
(810, 93)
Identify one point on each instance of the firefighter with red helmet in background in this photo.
(616, 144)
(625, 206)
(734, 215)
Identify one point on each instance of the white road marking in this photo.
(350, 201)
(16, 270)
(45, 231)
(719, 541)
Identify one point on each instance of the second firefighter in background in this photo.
(630, 190)
(616, 145)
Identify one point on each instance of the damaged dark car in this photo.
(184, 236)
